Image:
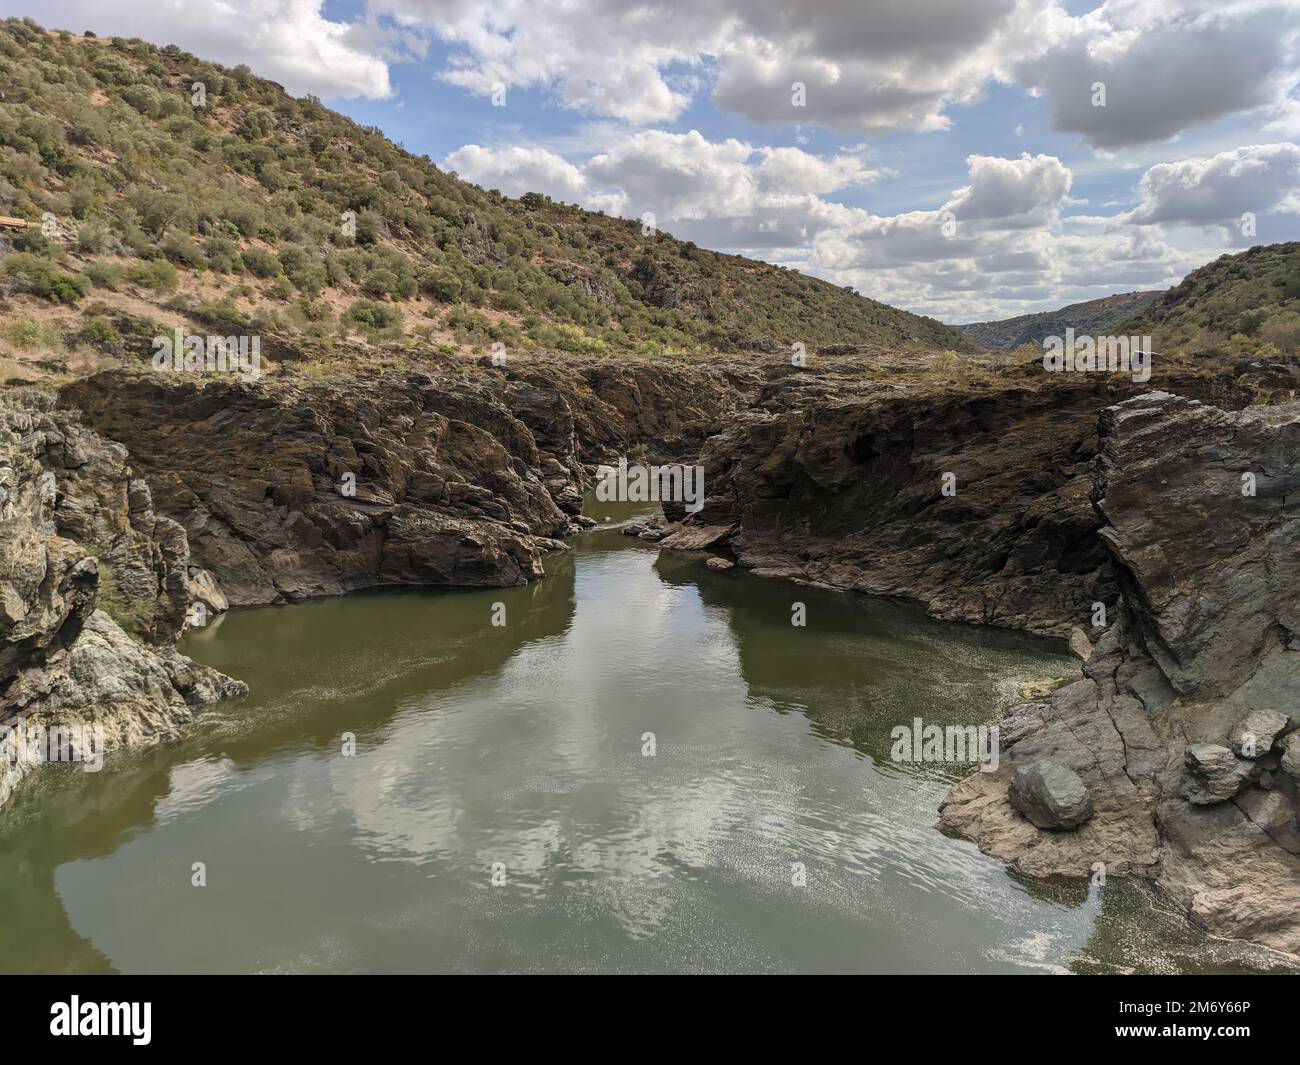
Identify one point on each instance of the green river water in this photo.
(514, 753)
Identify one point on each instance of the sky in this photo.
(964, 159)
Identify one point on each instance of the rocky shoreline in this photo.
(1183, 727)
(1066, 494)
(79, 532)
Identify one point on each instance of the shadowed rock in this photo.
(78, 531)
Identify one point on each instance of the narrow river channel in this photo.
(500, 812)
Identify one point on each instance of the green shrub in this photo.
(380, 283)
(441, 283)
(222, 255)
(183, 249)
(107, 275)
(42, 278)
(156, 274)
(27, 334)
(261, 263)
(373, 315)
(100, 333)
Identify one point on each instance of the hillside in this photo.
(1093, 318)
(256, 211)
(1248, 302)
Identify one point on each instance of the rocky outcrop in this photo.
(290, 490)
(1214, 774)
(969, 493)
(1203, 651)
(78, 532)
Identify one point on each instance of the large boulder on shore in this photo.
(1051, 795)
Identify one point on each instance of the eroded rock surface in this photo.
(461, 477)
(1204, 641)
(970, 494)
(78, 532)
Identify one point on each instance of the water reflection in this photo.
(519, 748)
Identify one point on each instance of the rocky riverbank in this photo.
(965, 490)
(94, 589)
(1182, 731)
(991, 495)
(296, 489)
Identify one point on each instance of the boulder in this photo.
(1291, 755)
(1080, 645)
(1051, 795)
(1214, 774)
(697, 537)
(720, 563)
(1253, 735)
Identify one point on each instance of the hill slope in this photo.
(1093, 318)
(1243, 303)
(247, 207)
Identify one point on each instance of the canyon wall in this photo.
(1065, 494)
(1183, 728)
(465, 477)
(78, 532)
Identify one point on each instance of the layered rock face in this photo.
(969, 494)
(1182, 727)
(78, 531)
(463, 478)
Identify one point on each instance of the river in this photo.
(503, 808)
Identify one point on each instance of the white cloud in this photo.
(1013, 193)
(1257, 178)
(518, 170)
(288, 41)
(717, 193)
(997, 246)
(1168, 65)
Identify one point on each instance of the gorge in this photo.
(305, 520)
(1069, 495)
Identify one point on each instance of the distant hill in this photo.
(1245, 302)
(1093, 318)
(244, 207)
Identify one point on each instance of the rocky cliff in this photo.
(968, 491)
(94, 589)
(1065, 493)
(1182, 729)
(465, 476)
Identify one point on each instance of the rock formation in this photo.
(1174, 757)
(78, 533)
(287, 492)
(1182, 726)
(968, 493)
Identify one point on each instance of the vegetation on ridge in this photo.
(244, 207)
